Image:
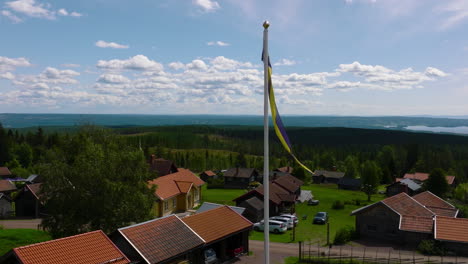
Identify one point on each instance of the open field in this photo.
(327, 194)
(221, 196)
(11, 238)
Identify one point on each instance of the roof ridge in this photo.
(191, 228)
(146, 222)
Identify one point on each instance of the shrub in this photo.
(344, 235)
(337, 205)
(431, 247)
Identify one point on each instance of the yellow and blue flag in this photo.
(280, 130)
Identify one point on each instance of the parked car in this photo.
(291, 216)
(313, 202)
(210, 256)
(275, 226)
(288, 221)
(320, 218)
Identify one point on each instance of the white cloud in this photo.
(7, 75)
(197, 65)
(138, 63)
(223, 63)
(177, 65)
(113, 78)
(433, 72)
(11, 16)
(284, 62)
(207, 5)
(217, 43)
(113, 45)
(344, 85)
(70, 65)
(9, 64)
(31, 8)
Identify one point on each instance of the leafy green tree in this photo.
(370, 178)
(437, 183)
(351, 167)
(24, 154)
(98, 184)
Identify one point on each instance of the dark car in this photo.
(320, 218)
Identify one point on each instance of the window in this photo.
(195, 194)
(166, 205)
(174, 203)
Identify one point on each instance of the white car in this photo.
(288, 221)
(275, 226)
(290, 216)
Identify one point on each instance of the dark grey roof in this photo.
(255, 203)
(411, 184)
(350, 182)
(329, 174)
(239, 172)
(208, 206)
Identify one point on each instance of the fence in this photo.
(313, 252)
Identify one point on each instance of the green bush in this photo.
(337, 205)
(431, 247)
(344, 235)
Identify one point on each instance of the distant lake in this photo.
(456, 130)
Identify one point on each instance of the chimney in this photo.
(153, 157)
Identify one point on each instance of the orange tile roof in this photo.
(92, 247)
(167, 186)
(209, 173)
(184, 187)
(6, 186)
(416, 223)
(451, 229)
(217, 223)
(35, 189)
(436, 204)
(403, 204)
(450, 179)
(162, 238)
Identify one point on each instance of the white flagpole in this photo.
(266, 172)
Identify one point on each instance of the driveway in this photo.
(23, 223)
(278, 251)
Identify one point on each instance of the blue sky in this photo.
(343, 57)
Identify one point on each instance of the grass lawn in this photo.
(327, 194)
(221, 196)
(11, 238)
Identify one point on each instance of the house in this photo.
(91, 247)
(402, 218)
(253, 209)
(223, 230)
(176, 192)
(161, 240)
(421, 177)
(5, 173)
(453, 233)
(27, 202)
(289, 183)
(280, 199)
(206, 175)
(408, 186)
(323, 176)
(7, 186)
(208, 206)
(240, 178)
(162, 166)
(5, 206)
(349, 184)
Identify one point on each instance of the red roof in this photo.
(451, 229)
(277, 194)
(288, 182)
(92, 247)
(416, 223)
(217, 223)
(436, 204)
(403, 204)
(161, 239)
(7, 186)
(209, 173)
(4, 172)
(176, 183)
(35, 189)
(285, 169)
(424, 176)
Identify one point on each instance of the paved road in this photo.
(26, 223)
(278, 251)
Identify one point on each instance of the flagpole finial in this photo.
(266, 24)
